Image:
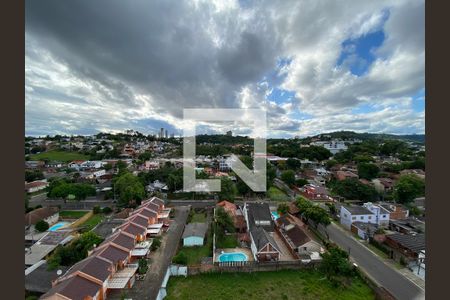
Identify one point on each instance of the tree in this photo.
(41, 226)
(312, 212)
(129, 187)
(331, 163)
(142, 266)
(293, 164)
(223, 221)
(282, 208)
(288, 177)
(96, 209)
(181, 258)
(107, 166)
(353, 189)
(367, 170)
(301, 182)
(33, 175)
(270, 174)
(228, 190)
(335, 262)
(409, 187)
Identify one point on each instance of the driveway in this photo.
(392, 280)
(160, 260)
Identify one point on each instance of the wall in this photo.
(193, 241)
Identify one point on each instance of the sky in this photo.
(313, 66)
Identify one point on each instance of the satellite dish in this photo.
(59, 272)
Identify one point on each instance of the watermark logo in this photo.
(256, 178)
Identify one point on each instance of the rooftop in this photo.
(414, 242)
(358, 210)
(195, 229)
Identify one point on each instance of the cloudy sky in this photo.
(314, 66)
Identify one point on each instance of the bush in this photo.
(180, 259)
(107, 210)
(96, 210)
(156, 244)
(143, 266)
(41, 226)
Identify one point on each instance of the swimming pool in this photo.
(58, 226)
(233, 256)
(275, 215)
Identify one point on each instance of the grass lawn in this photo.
(286, 284)
(63, 156)
(228, 241)
(196, 253)
(72, 214)
(92, 222)
(198, 218)
(276, 194)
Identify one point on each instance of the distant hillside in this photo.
(346, 135)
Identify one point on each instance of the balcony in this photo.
(121, 278)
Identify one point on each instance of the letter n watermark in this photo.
(256, 178)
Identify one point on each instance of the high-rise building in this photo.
(167, 134)
(229, 133)
(161, 134)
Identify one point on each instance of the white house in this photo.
(35, 186)
(368, 213)
(381, 213)
(335, 146)
(350, 214)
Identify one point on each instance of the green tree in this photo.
(41, 226)
(367, 170)
(282, 208)
(288, 177)
(128, 188)
(353, 189)
(335, 262)
(228, 190)
(223, 220)
(181, 259)
(270, 174)
(293, 164)
(142, 266)
(301, 182)
(409, 187)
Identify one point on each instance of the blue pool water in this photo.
(234, 256)
(275, 215)
(57, 226)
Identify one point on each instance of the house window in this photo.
(370, 217)
(384, 216)
(353, 218)
(362, 217)
(345, 215)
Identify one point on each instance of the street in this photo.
(390, 279)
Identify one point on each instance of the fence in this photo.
(250, 266)
(172, 270)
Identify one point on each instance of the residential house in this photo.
(407, 226)
(364, 230)
(261, 228)
(343, 175)
(396, 211)
(48, 214)
(407, 246)
(110, 265)
(34, 164)
(316, 193)
(418, 172)
(194, 234)
(350, 214)
(236, 215)
(381, 214)
(383, 185)
(35, 186)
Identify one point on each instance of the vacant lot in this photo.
(72, 214)
(59, 156)
(304, 284)
(92, 222)
(276, 194)
(198, 217)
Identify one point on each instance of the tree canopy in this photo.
(368, 170)
(353, 189)
(129, 188)
(409, 187)
(288, 177)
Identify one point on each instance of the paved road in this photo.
(160, 260)
(390, 279)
